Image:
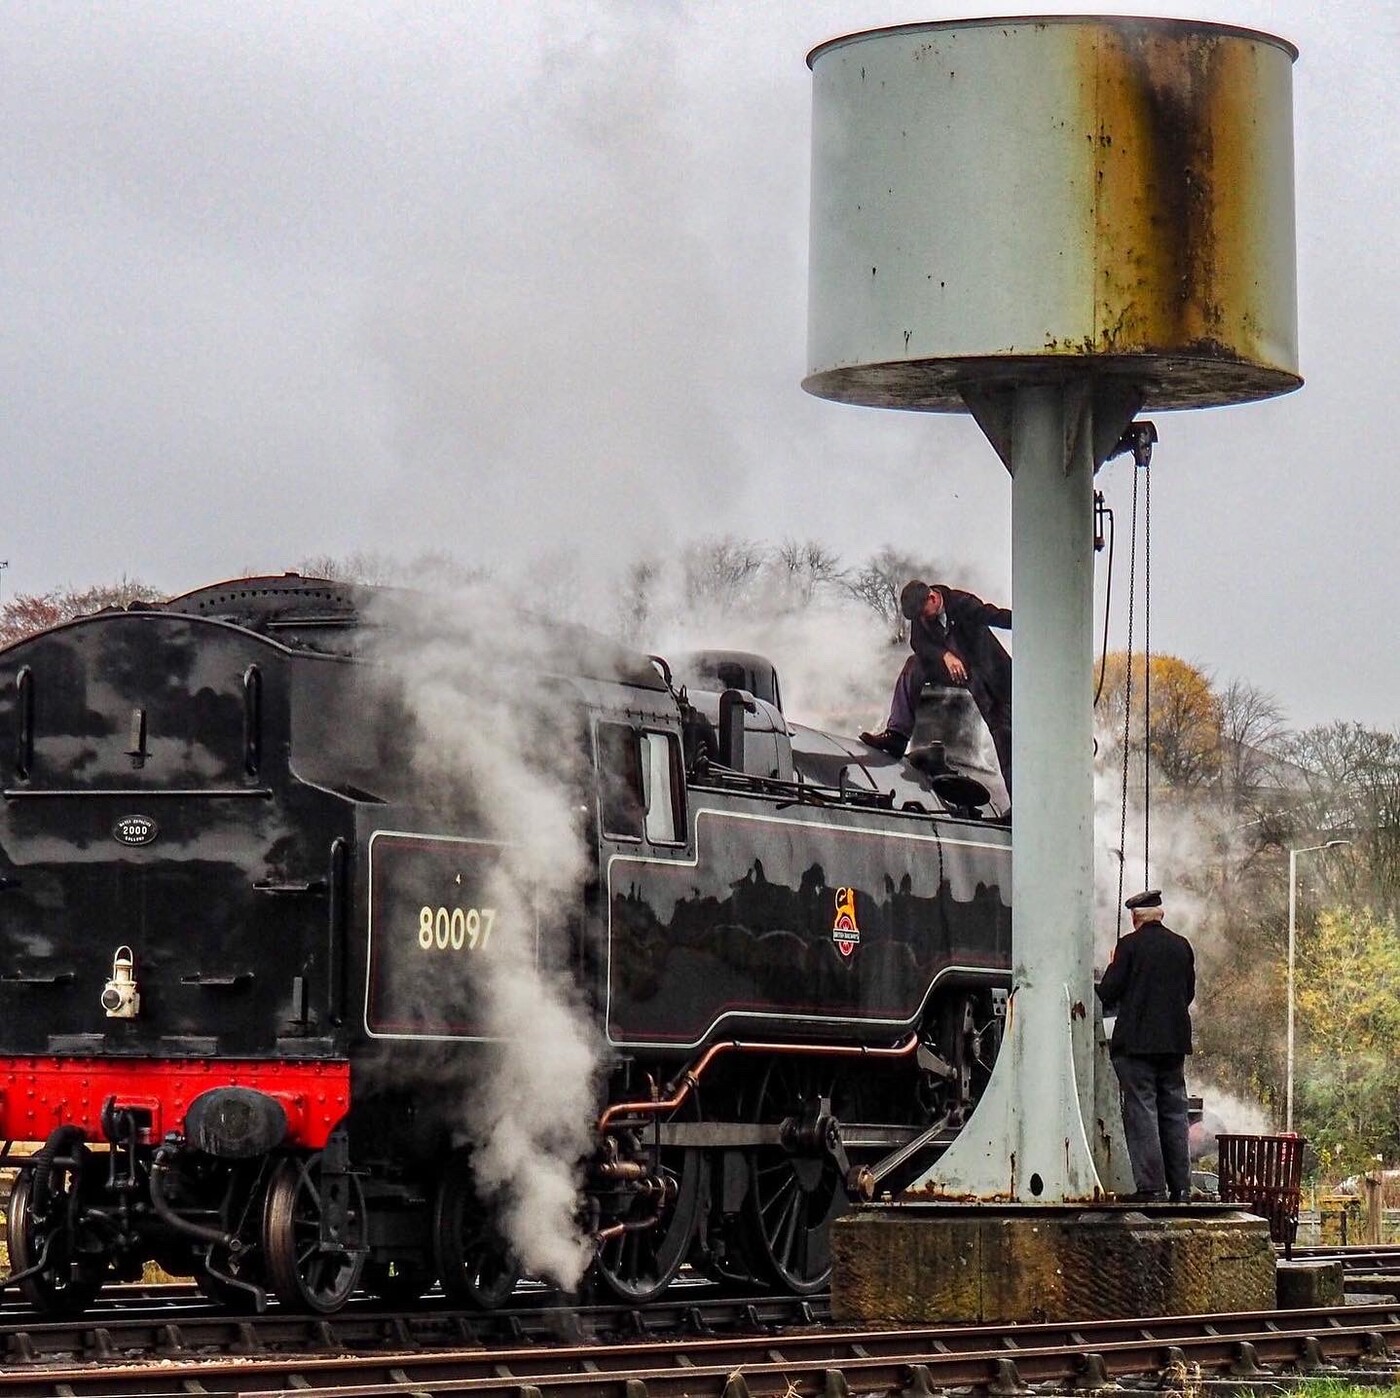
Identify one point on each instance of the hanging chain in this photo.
(1146, 670)
(1138, 439)
(1127, 704)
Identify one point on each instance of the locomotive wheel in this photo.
(399, 1282)
(473, 1261)
(639, 1265)
(302, 1274)
(793, 1198)
(42, 1213)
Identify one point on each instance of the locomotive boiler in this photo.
(250, 937)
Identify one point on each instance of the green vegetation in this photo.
(1335, 1388)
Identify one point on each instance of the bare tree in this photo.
(878, 582)
(720, 573)
(801, 569)
(636, 600)
(433, 571)
(1352, 779)
(1251, 732)
(362, 566)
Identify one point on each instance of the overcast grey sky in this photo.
(513, 281)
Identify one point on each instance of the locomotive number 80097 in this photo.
(455, 928)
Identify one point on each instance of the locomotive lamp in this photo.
(1050, 223)
(121, 998)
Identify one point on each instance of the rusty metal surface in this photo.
(1023, 201)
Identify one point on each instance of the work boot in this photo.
(887, 741)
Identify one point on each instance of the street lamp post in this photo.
(1292, 942)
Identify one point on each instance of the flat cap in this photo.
(1148, 898)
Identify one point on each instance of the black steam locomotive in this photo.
(243, 933)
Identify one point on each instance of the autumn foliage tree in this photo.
(1174, 704)
(27, 612)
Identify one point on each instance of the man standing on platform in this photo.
(1150, 983)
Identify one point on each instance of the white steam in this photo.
(474, 670)
(836, 668)
(1187, 845)
(1226, 1114)
(1178, 845)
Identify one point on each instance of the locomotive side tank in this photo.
(249, 938)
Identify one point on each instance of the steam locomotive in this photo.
(245, 933)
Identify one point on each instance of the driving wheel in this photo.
(794, 1195)
(42, 1226)
(305, 1272)
(637, 1265)
(473, 1262)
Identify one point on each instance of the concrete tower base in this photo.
(993, 1264)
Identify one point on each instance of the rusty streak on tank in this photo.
(1147, 168)
(1176, 194)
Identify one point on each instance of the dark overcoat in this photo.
(1151, 983)
(968, 636)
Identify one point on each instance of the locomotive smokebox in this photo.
(1022, 201)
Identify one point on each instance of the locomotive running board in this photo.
(711, 1134)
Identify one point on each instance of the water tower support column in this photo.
(1028, 1141)
(1052, 580)
(1050, 222)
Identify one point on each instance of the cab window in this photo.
(639, 784)
(621, 803)
(660, 773)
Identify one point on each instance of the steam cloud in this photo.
(1186, 844)
(1182, 843)
(473, 668)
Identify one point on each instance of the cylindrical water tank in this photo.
(1009, 201)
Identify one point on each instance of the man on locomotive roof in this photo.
(950, 633)
(1151, 982)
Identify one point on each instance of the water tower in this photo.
(1052, 223)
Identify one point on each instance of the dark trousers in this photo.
(995, 708)
(1154, 1121)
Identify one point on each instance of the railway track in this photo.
(152, 1327)
(1386, 1257)
(1365, 1270)
(806, 1362)
(697, 1342)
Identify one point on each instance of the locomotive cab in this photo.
(737, 697)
